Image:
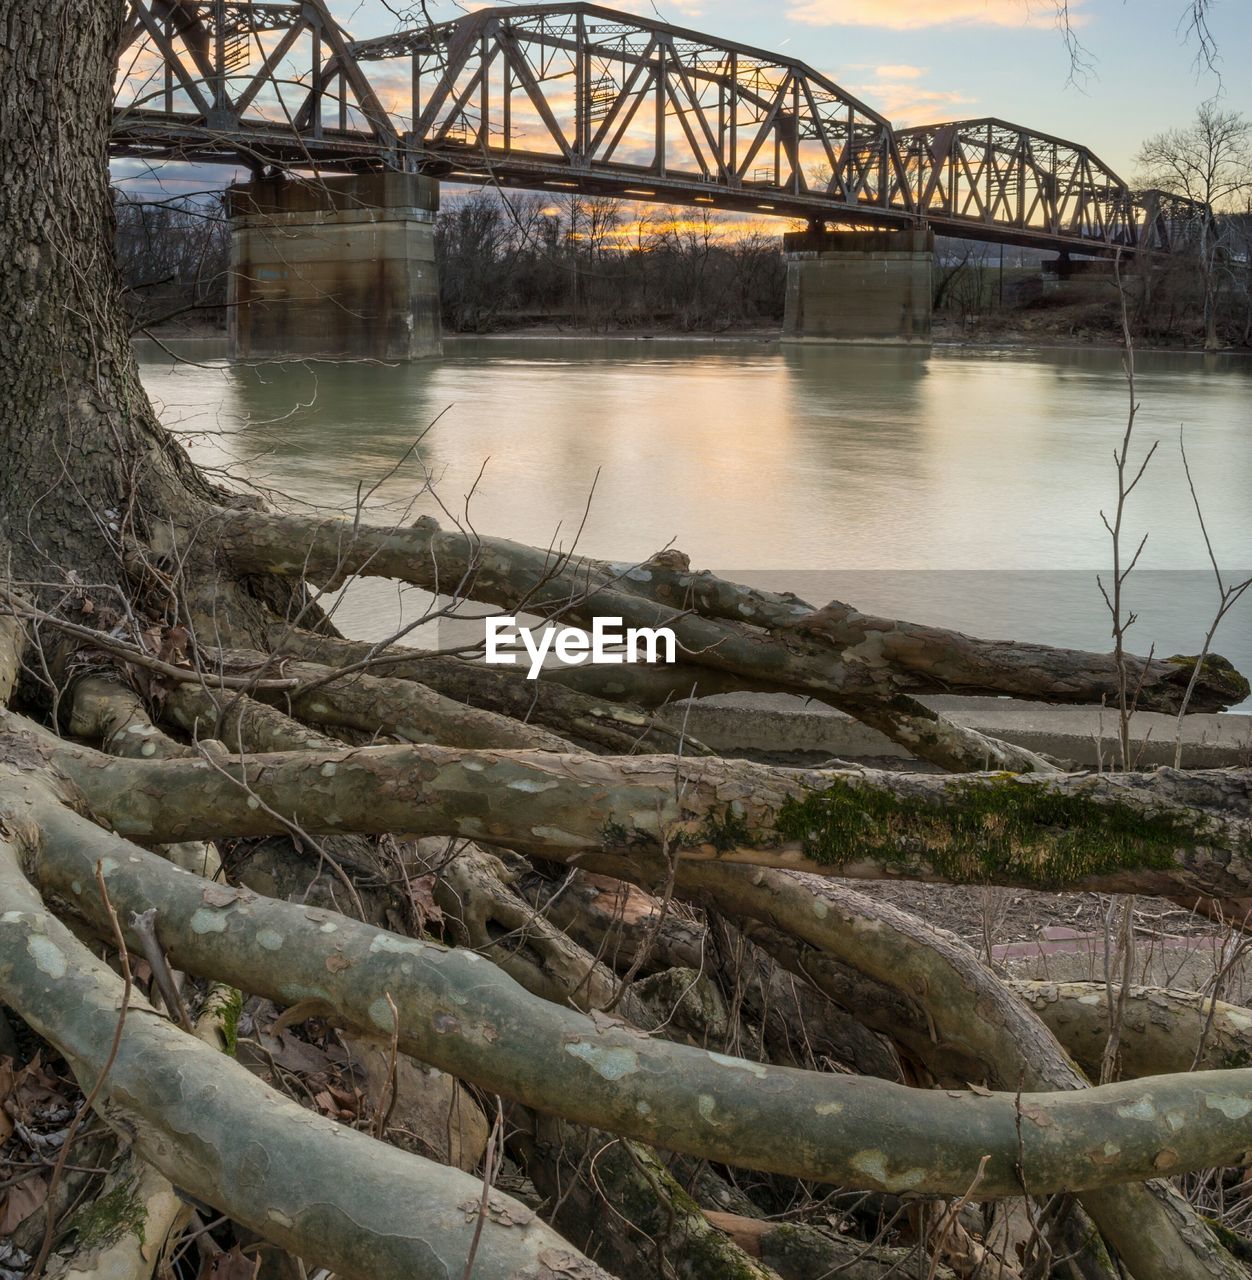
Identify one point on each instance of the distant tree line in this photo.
(515, 259)
(174, 257)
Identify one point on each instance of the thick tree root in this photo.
(796, 1251)
(107, 712)
(112, 714)
(239, 721)
(954, 1017)
(1161, 1031)
(121, 1232)
(730, 627)
(402, 709)
(1179, 835)
(526, 579)
(459, 1013)
(312, 1186)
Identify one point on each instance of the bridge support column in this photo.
(858, 286)
(343, 266)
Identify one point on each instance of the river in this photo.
(956, 486)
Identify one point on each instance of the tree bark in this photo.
(85, 458)
(833, 652)
(1181, 835)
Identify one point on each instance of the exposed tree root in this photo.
(1161, 1031)
(239, 721)
(621, 1205)
(954, 1017)
(121, 1234)
(186, 1109)
(796, 1251)
(835, 648)
(1178, 835)
(496, 1035)
(401, 709)
(858, 664)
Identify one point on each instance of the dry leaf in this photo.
(21, 1201)
(422, 895)
(221, 895)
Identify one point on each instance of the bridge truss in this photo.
(580, 98)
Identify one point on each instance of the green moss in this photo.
(110, 1216)
(985, 829)
(614, 835)
(1234, 1061)
(1219, 674)
(1238, 1245)
(724, 831)
(229, 1007)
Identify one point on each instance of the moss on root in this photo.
(725, 831)
(109, 1217)
(1237, 1244)
(1218, 673)
(984, 829)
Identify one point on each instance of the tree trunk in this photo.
(86, 461)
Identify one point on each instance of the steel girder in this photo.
(579, 96)
(223, 80)
(1018, 184)
(582, 98)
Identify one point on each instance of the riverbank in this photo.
(946, 334)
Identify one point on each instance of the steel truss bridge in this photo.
(584, 99)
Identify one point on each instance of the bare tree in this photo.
(1209, 161)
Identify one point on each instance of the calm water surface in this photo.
(961, 487)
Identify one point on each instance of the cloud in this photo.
(903, 15)
(896, 92)
(906, 105)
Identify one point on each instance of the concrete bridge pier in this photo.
(858, 286)
(340, 267)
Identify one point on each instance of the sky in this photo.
(918, 61)
(922, 61)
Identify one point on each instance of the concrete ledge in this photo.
(337, 193)
(870, 243)
(778, 724)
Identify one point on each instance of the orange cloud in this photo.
(906, 103)
(899, 71)
(902, 15)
